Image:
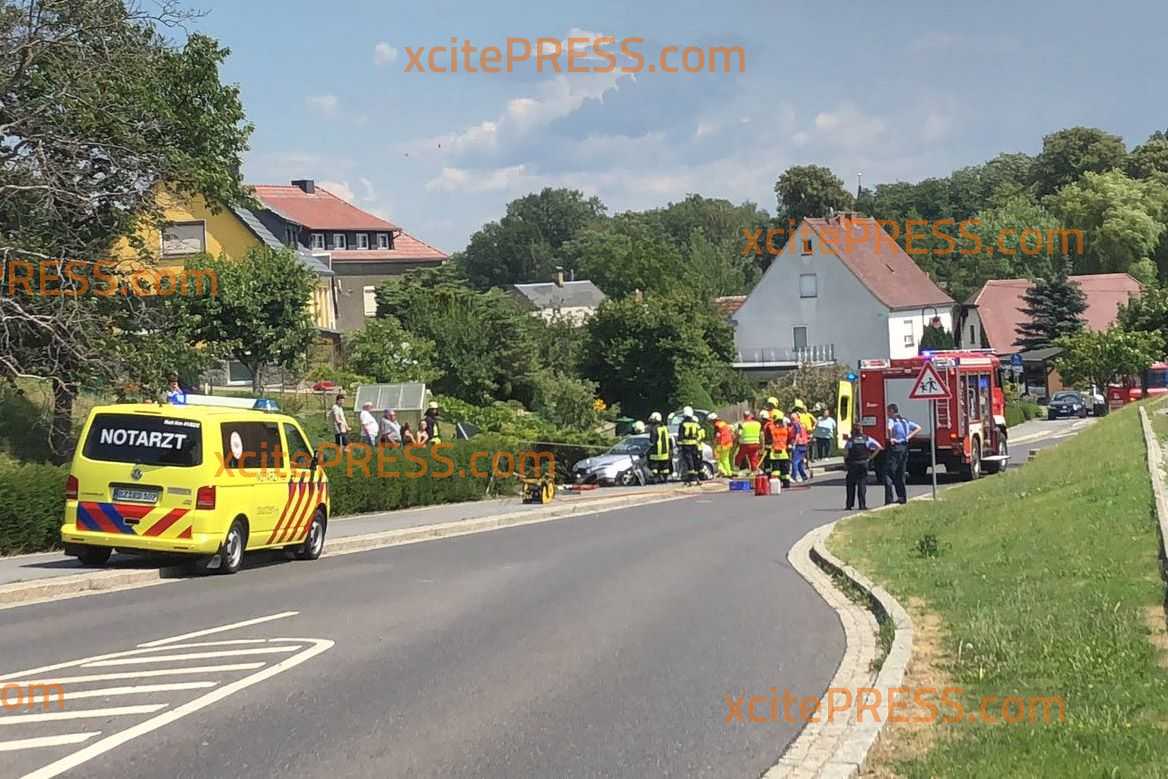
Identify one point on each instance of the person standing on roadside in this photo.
(338, 423)
(723, 444)
(799, 450)
(858, 451)
(370, 430)
(825, 429)
(429, 426)
(749, 442)
(390, 429)
(807, 422)
(900, 430)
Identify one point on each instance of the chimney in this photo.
(308, 186)
(559, 276)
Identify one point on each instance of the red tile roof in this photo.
(999, 305)
(406, 248)
(877, 261)
(321, 210)
(728, 305)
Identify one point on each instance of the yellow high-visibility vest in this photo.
(750, 432)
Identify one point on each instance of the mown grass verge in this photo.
(1046, 583)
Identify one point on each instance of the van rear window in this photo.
(145, 440)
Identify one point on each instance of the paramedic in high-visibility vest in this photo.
(900, 430)
(689, 438)
(777, 440)
(660, 448)
(749, 443)
(723, 444)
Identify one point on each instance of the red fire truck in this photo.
(970, 425)
(1154, 382)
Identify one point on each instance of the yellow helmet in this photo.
(773, 402)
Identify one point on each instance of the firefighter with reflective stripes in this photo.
(689, 437)
(430, 424)
(777, 440)
(749, 443)
(660, 448)
(723, 444)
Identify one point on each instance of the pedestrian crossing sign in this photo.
(929, 385)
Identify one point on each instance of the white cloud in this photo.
(476, 180)
(936, 126)
(383, 53)
(849, 127)
(339, 188)
(325, 105)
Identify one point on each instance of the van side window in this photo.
(298, 449)
(251, 445)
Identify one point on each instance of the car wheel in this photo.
(314, 542)
(94, 556)
(231, 553)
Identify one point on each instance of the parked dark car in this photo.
(1068, 403)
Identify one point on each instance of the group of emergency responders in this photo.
(772, 442)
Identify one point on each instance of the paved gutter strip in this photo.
(831, 750)
(1156, 472)
(61, 587)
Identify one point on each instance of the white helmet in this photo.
(687, 411)
(764, 414)
(712, 416)
(655, 416)
(639, 427)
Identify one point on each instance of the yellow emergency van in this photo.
(210, 478)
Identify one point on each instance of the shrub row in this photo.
(32, 503)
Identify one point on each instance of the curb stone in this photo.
(62, 587)
(1156, 472)
(838, 750)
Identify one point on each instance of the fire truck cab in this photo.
(970, 425)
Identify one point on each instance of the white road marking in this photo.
(53, 716)
(46, 741)
(272, 650)
(202, 669)
(139, 689)
(114, 740)
(220, 629)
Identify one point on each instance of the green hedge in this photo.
(1019, 411)
(32, 505)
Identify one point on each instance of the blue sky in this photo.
(899, 90)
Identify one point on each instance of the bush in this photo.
(24, 427)
(566, 401)
(32, 506)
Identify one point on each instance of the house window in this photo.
(808, 285)
(318, 240)
(184, 238)
(291, 236)
(370, 295)
(909, 334)
(807, 246)
(339, 240)
(383, 240)
(362, 240)
(972, 335)
(800, 336)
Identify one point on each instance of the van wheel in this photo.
(231, 553)
(314, 542)
(94, 556)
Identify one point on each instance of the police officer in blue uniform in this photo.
(900, 430)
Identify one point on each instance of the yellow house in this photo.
(192, 228)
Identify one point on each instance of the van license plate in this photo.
(136, 495)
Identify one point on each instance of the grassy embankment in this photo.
(1040, 582)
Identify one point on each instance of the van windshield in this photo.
(145, 440)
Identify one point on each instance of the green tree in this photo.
(260, 315)
(934, 338)
(1122, 218)
(565, 400)
(1100, 358)
(486, 345)
(99, 110)
(385, 352)
(645, 354)
(560, 342)
(810, 191)
(990, 245)
(1053, 308)
(1147, 313)
(1148, 159)
(626, 253)
(1068, 154)
(525, 245)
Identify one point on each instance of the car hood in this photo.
(1066, 403)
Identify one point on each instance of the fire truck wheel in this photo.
(973, 469)
(1003, 451)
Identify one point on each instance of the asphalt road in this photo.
(596, 646)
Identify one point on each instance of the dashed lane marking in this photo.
(46, 741)
(220, 629)
(53, 716)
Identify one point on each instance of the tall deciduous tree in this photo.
(1100, 358)
(626, 253)
(1122, 218)
(1054, 309)
(810, 191)
(97, 110)
(1068, 154)
(1148, 312)
(385, 352)
(525, 245)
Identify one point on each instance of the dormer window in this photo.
(807, 246)
(362, 240)
(318, 240)
(383, 240)
(339, 241)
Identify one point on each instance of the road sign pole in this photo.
(933, 444)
